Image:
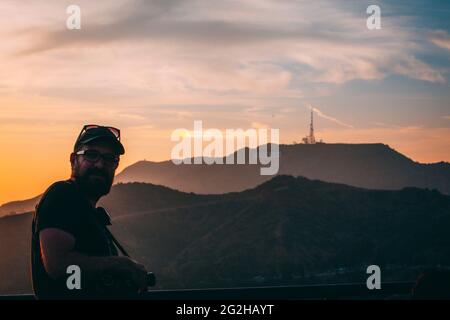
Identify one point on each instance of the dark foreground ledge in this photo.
(392, 290)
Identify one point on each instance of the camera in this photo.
(151, 279)
(120, 285)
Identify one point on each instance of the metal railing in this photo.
(358, 291)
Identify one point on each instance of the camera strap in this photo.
(116, 242)
(107, 221)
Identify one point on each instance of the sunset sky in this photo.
(150, 67)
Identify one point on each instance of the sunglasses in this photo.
(87, 127)
(94, 156)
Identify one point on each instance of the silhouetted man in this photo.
(68, 229)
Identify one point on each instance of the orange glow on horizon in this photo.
(365, 86)
(29, 168)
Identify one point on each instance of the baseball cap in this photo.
(93, 132)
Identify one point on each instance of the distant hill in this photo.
(134, 198)
(15, 207)
(15, 238)
(374, 166)
(286, 231)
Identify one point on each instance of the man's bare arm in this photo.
(57, 251)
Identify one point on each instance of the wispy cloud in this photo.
(257, 47)
(440, 38)
(422, 144)
(332, 119)
(416, 69)
(385, 125)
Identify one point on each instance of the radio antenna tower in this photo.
(312, 139)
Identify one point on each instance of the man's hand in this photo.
(135, 271)
(57, 251)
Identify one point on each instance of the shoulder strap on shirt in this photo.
(111, 236)
(103, 226)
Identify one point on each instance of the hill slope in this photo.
(20, 206)
(374, 166)
(287, 230)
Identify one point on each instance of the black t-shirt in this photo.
(64, 206)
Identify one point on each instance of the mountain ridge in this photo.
(370, 165)
(288, 230)
(374, 166)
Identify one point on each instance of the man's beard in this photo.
(92, 184)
